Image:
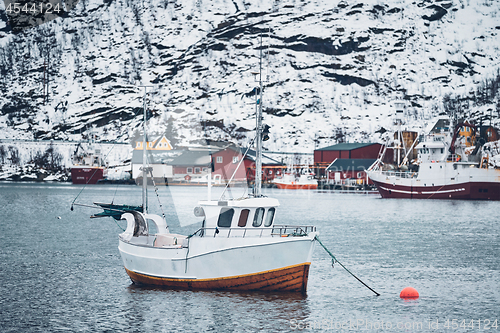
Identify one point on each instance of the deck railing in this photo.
(274, 231)
(400, 174)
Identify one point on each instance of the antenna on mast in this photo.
(258, 138)
(267, 55)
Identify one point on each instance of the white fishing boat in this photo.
(296, 178)
(292, 181)
(238, 247)
(443, 170)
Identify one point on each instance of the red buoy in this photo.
(409, 292)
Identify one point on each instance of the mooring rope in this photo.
(157, 195)
(237, 168)
(119, 226)
(335, 260)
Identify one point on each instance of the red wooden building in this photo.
(191, 163)
(324, 156)
(354, 169)
(227, 161)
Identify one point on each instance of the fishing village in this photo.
(341, 167)
(246, 166)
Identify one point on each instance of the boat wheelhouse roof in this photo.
(431, 144)
(242, 203)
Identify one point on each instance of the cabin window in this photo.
(259, 215)
(189, 170)
(235, 159)
(225, 217)
(205, 169)
(219, 159)
(196, 170)
(242, 222)
(269, 217)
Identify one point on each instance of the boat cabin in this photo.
(238, 218)
(433, 150)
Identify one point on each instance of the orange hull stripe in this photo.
(291, 278)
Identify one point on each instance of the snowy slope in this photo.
(333, 69)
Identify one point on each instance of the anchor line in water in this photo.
(335, 260)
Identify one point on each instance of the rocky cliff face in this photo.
(332, 69)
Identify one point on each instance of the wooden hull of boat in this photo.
(292, 278)
(463, 191)
(253, 262)
(297, 186)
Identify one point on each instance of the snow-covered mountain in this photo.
(333, 69)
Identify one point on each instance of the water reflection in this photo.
(225, 311)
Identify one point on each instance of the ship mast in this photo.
(144, 158)
(258, 157)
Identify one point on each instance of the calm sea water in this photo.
(61, 271)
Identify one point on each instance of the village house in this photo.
(193, 164)
(352, 171)
(227, 161)
(323, 157)
(159, 153)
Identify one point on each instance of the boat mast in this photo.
(144, 157)
(258, 157)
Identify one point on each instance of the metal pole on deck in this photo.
(144, 158)
(209, 194)
(258, 157)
